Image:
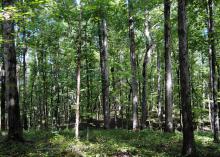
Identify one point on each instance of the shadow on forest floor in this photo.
(118, 143)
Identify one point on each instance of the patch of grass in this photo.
(105, 143)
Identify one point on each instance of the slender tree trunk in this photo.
(25, 120)
(179, 98)
(32, 110)
(78, 77)
(159, 105)
(218, 90)
(87, 73)
(43, 62)
(144, 93)
(213, 72)
(51, 98)
(114, 97)
(168, 69)
(121, 106)
(188, 135)
(88, 84)
(104, 71)
(15, 128)
(133, 67)
(128, 116)
(45, 105)
(3, 108)
(149, 49)
(144, 90)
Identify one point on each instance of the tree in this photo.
(218, 89)
(213, 72)
(78, 73)
(103, 43)
(25, 120)
(12, 100)
(24, 49)
(168, 69)
(149, 46)
(188, 148)
(159, 103)
(3, 108)
(133, 66)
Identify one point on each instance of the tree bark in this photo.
(103, 43)
(88, 84)
(78, 70)
(133, 67)
(3, 108)
(144, 90)
(12, 99)
(25, 120)
(188, 148)
(168, 69)
(114, 102)
(218, 90)
(159, 105)
(213, 72)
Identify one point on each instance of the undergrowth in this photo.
(100, 143)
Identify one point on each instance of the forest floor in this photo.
(98, 143)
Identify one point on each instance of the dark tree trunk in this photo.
(25, 120)
(3, 109)
(133, 67)
(103, 43)
(56, 110)
(168, 69)
(12, 99)
(32, 85)
(144, 93)
(144, 90)
(45, 105)
(188, 148)
(88, 84)
(213, 73)
(114, 102)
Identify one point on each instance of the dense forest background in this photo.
(113, 64)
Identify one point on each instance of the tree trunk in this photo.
(159, 105)
(179, 98)
(213, 72)
(218, 90)
(3, 122)
(25, 120)
(168, 69)
(188, 148)
(149, 49)
(133, 67)
(12, 99)
(88, 88)
(114, 102)
(78, 76)
(103, 43)
(43, 64)
(45, 105)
